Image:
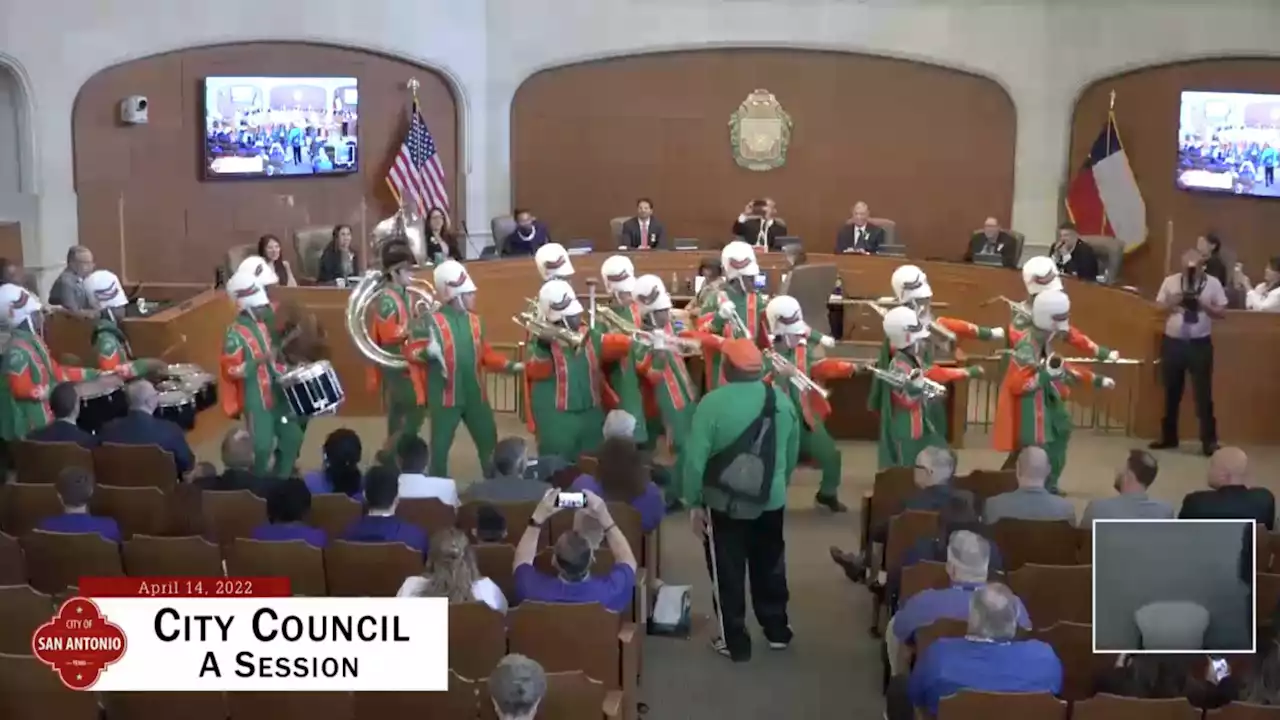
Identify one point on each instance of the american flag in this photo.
(416, 175)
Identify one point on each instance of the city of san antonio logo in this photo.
(79, 643)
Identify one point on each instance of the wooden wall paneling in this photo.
(11, 241)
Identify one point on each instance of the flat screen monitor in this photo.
(266, 127)
(1229, 142)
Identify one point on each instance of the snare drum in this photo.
(179, 407)
(195, 382)
(312, 389)
(101, 401)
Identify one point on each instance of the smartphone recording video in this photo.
(571, 500)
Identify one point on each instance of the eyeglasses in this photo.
(925, 468)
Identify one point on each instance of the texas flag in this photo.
(1104, 198)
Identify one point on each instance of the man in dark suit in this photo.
(1074, 256)
(237, 464)
(529, 235)
(993, 241)
(141, 427)
(859, 236)
(758, 225)
(643, 231)
(64, 403)
(1228, 497)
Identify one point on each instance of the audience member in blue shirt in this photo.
(64, 403)
(75, 489)
(528, 236)
(141, 427)
(380, 524)
(958, 514)
(573, 582)
(987, 659)
(288, 504)
(624, 477)
(967, 564)
(341, 471)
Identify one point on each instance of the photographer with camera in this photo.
(1193, 299)
(759, 225)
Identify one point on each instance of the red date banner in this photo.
(184, 587)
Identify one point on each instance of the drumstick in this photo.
(182, 340)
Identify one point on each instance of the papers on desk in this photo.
(579, 251)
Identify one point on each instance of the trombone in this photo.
(617, 323)
(1020, 310)
(936, 328)
(535, 325)
(802, 382)
(932, 390)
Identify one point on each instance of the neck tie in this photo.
(644, 234)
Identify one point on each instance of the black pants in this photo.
(742, 547)
(897, 700)
(1270, 172)
(1179, 358)
(297, 154)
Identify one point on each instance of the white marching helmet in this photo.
(619, 274)
(1039, 274)
(1051, 310)
(651, 293)
(556, 299)
(104, 290)
(247, 290)
(737, 259)
(785, 317)
(452, 280)
(903, 328)
(258, 267)
(19, 304)
(910, 284)
(553, 261)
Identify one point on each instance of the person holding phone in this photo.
(573, 557)
(1205, 681)
(759, 225)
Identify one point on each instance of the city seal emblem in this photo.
(78, 643)
(759, 132)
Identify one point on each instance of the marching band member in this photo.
(793, 341)
(565, 375)
(404, 398)
(449, 353)
(906, 428)
(619, 277)
(250, 373)
(30, 371)
(553, 262)
(666, 377)
(110, 345)
(1040, 274)
(1031, 409)
(737, 299)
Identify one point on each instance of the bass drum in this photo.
(101, 401)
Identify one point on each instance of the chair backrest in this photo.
(971, 705)
(293, 559)
(13, 568)
(237, 255)
(890, 229)
(501, 226)
(42, 462)
(477, 638)
(575, 696)
(134, 466)
(137, 510)
(430, 514)
(309, 244)
(26, 504)
(165, 705)
(1055, 593)
(1073, 644)
(1046, 542)
(921, 576)
(986, 484)
(1084, 545)
(57, 561)
(1020, 238)
(334, 512)
(1267, 588)
(293, 706)
(942, 628)
(563, 638)
(358, 569)
(905, 530)
(889, 492)
(231, 514)
(190, 556)
(24, 610)
(29, 690)
(461, 701)
(615, 230)
(1244, 711)
(1114, 707)
(1110, 255)
(811, 286)
(496, 563)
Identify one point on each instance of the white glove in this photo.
(728, 310)
(997, 333)
(434, 352)
(827, 341)
(659, 341)
(1113, 356)
(1108, 383)
(517, 367)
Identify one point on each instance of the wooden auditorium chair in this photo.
(301, 563)
(356, 569)
(150, 556)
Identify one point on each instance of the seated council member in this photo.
(643, 232)
(759, 225)
(529, 235)
(991, 240)
(338, 261)
(859, 236)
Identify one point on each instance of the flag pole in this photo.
(1111, 123)
(413, 86)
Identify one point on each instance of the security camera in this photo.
(133, 110)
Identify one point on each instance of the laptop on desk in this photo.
(899, 251)
(988, 259)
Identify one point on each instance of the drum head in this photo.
(182, 370)
(165, 386)
(99, 386)
(171, 398)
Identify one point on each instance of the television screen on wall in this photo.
(280, 126)
(1229, 142)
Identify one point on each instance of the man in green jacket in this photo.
(738, 459)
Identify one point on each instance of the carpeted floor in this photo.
(832, 670)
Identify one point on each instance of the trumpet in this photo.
(883, 306)
(785, 367)
(538, 327)
(1020, 310)
(916, 379)
(617, 323)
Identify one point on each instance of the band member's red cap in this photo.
(743, 354)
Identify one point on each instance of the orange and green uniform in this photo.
(622, 375)
(816, 444)
(750, 306)
(455, 387)
(254, 395)
(1032, 408)
(111, 350)
(28, 368)
(671, 395)
(906, 422)
(404, 401)
(567, 392)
